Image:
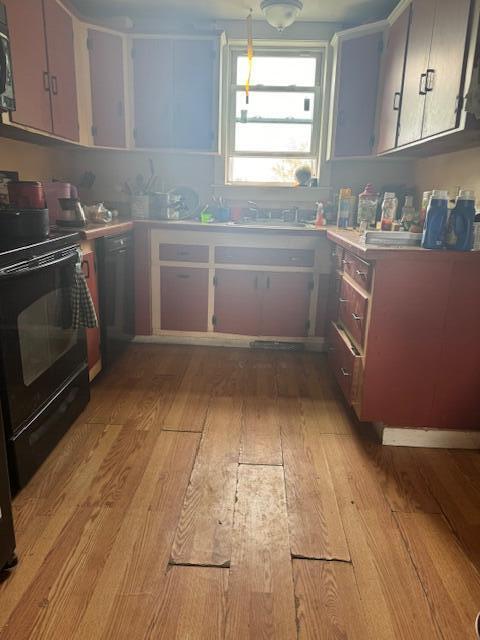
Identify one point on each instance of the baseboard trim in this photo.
(217, 340)
(429, 438)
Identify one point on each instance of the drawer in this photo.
(358, 270)
(337, 257)
(353, 309)
(265, 257)
(344, 361)
(183, 253)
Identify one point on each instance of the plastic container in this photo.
(320, 219)
(436, 221)
(409, 214)
(389, 211)
(367, 207)
(345, 205)
(460, 232)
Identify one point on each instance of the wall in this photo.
(33, 162)
(450, 171)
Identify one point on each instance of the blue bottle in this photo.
(460, 233)
(435, 228)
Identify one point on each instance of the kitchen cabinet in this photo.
(108, 88)
(434, 70)
(184, 298)
(238, 300)
(43, 59)
(286, 304)
(356, 79)
(30, 65)
(176, 93)
(89, 267)
(391, 88)
(410, 356)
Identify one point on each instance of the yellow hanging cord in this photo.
(249, 54)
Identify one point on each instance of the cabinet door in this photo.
(93, 335)
(194, 114)
(445, 68)
(108, 93)
(418, 52)
(184, 299)
(286, 304)
(61, 64)
(392, 82)
(153, 92)
(357, 96)
(30, 67)
(238, 300)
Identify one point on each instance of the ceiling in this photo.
(347, 11)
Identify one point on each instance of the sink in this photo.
(269, 222)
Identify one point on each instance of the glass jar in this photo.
(367, 207)
(389, 211)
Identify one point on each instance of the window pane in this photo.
(278, 72)
(299, 106)
(273, 138)
(273, 170)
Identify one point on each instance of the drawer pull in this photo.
(183, 253)
(345, 262)
(343, 300)
(184, 276)
(345, 373)
(362, 274)
(356, 317)
(293, 259)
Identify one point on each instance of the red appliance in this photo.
(26, 195)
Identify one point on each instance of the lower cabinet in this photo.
(89, 268)
(262, 303)
(184, 299)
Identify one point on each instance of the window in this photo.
(278, 130)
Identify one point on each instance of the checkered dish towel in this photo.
(83, 309)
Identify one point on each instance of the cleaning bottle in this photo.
(436, 221)
(460, 233)
(320, 219)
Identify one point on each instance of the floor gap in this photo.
(298, 556)
(206, 565)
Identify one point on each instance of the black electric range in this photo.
(43, 355)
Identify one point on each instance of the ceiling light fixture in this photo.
(281, 13)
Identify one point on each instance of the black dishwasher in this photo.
(7, 538)
(115, 281)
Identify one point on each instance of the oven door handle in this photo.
(4, 275)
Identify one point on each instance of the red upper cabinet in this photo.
(176, 93)
(61, 64)
(445, 73)
(153, 92)
(355, 93)
(391, 88)
(108, 89)
(30, 66)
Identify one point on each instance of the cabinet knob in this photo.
(362, 274)
(356, 317)
(345, 373)
(343, 300)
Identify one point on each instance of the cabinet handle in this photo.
(183, 253)
(362, 274)
(293, 259)
(183, 276)
(256, 282)
(343, 300)
(87, 265)
(120, 109)
(422, 90)
(54, 85)
(356, 317)
(268, 282)
(429, 84)
(345, 372)
(396, 100)
(46, 81)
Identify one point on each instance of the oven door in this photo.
(41, 349)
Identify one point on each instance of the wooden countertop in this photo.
(229, 227)
(350, 240)
(94, 231)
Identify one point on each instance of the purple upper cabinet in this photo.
(391, 89)
(356, 80)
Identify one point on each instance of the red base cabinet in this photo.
(416, 362)
(184, 299)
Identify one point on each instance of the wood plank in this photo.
(316, 529)
(450, 581)
(204, 534)
(329, 604)
(261, 442)
(260, 601)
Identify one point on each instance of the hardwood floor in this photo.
(219, 493)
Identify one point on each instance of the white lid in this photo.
(389, 194)
(440, 194)
(466, 194)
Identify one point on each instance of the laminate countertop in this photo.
(94, 231)
(231, 227)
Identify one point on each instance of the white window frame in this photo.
(318, 52)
